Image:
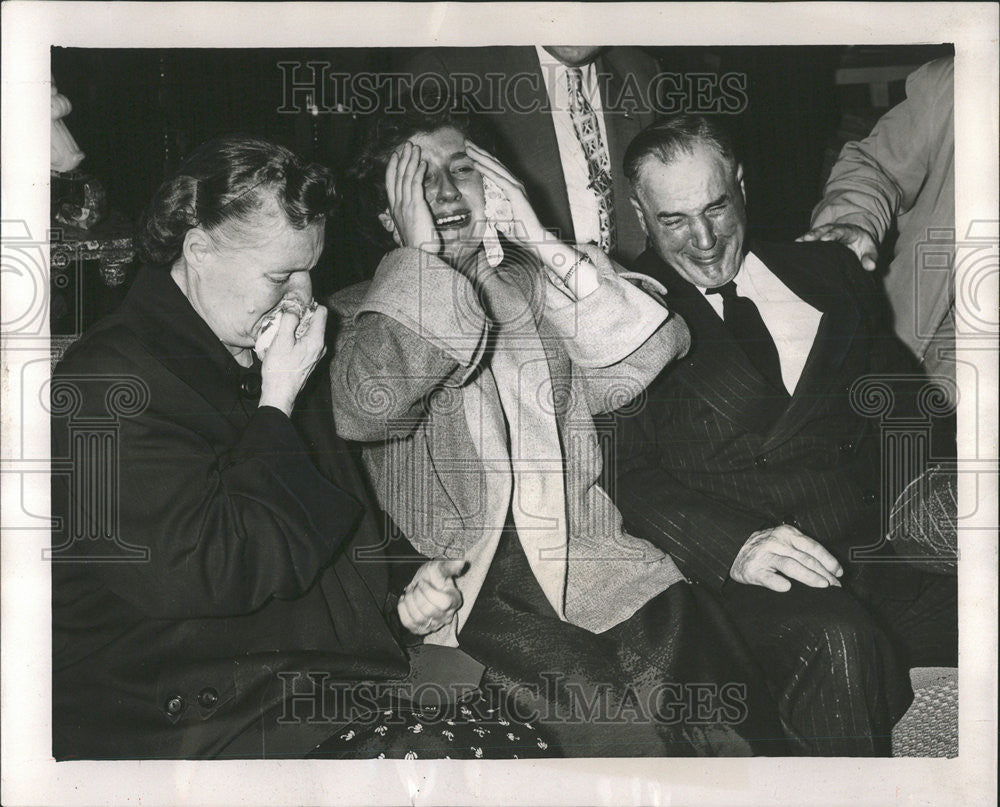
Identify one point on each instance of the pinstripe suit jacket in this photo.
(717, 454)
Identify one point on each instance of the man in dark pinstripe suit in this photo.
(749, 464)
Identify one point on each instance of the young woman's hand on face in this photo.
(411, 216)
(526, 227)
(571, 271)
(289, 362)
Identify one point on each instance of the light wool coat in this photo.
(413, 380)
(904, 172)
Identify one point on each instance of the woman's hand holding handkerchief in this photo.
(289, 344)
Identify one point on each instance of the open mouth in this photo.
(453, 221)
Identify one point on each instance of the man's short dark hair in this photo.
(678, 133)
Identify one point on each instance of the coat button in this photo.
(869, 497)
(174, 705)
(208, 697)
(250, 385)
(760, 461)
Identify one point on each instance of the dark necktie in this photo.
(744, 323)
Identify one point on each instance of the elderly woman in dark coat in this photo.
(217, 580)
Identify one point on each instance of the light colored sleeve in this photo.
(620, 336)
(878, 178)
(415, 326)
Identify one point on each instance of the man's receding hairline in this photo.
(657, 153)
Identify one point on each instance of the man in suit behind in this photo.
(562, 117)
(749, 463)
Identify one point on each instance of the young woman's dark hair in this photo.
(228, 180)
(383, 134)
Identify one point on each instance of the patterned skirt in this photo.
(475, 727)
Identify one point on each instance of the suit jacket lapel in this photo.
(540, 168)
(834, 337)
(622, 124)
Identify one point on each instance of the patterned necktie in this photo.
(744, 323)
(588, 132)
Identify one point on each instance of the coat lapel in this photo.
(163, 319)
(532, 136)
(622, 123)
(834, 337)
(717, 371)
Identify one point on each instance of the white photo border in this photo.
(30, 776)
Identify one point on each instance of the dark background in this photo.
(138, 112)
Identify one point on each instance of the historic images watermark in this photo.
(919, 496)
(88, 412)
(972, 263)
(312, 697)
(317, 88)
(26, 277)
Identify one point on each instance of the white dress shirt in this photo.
(792, 322)
(583, 202)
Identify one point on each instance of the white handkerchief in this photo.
(270, 327)
(491, 244)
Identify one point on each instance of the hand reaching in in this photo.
(855, 238)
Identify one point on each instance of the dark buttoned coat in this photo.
(205, 558)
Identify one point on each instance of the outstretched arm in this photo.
(877, 178)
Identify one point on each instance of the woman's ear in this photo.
(390, 227)
(197, 248)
